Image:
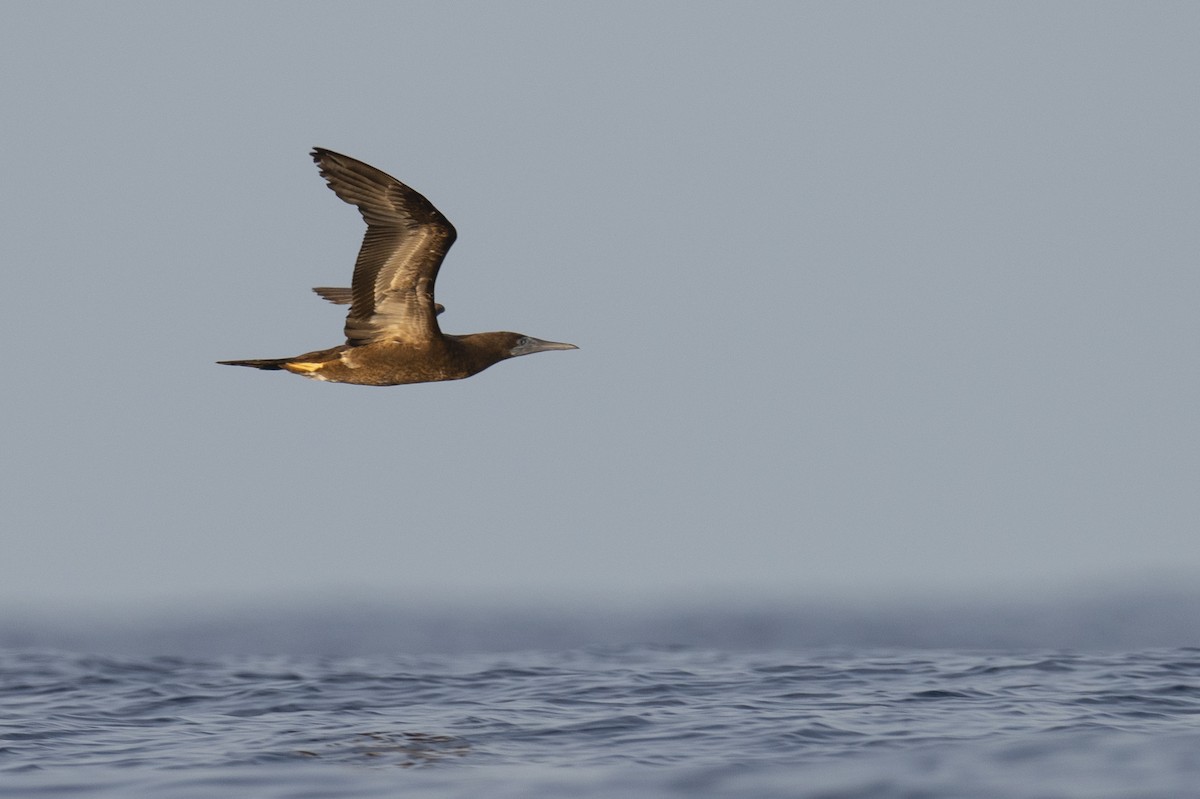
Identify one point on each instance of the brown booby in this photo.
(392, 333)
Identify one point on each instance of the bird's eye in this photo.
(523, 341)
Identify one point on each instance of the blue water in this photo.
(742, 719)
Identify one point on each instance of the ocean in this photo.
(1097, 698)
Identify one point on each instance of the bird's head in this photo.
(519, 344)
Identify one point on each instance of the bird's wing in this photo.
(391, 294)
(338, 296)
(344, 296)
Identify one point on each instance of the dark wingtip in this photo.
(338, 296)
(319, 154)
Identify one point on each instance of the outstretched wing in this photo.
(391, 294)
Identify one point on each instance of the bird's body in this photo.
(392, 333)
(392, 363)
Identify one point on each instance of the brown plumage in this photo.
(392, 333)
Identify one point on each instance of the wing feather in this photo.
(391, 294)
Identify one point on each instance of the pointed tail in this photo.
(259, 363)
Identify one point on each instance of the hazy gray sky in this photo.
(870, 297)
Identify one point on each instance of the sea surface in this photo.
(753, 703)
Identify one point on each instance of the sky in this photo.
(871, 298)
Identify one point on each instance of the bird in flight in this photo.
(392, 333)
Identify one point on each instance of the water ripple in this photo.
(734, 722)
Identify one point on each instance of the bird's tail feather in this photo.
(259, 363)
